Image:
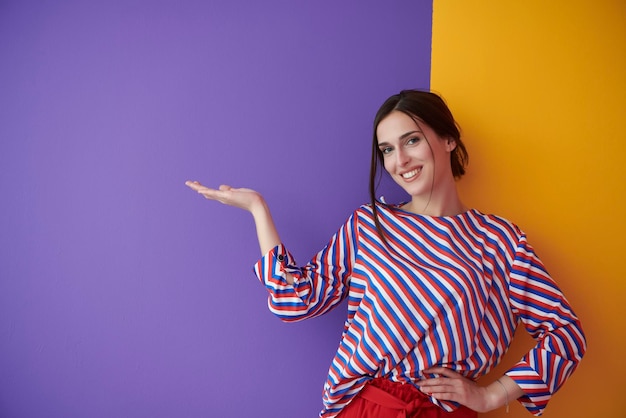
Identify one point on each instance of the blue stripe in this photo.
(482, 259)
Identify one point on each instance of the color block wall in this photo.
(123, 294)
(540, 92)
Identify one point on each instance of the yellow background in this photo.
(539, 90)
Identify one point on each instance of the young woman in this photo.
(435, 290)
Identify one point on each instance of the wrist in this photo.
(258, 207)
(506, 394)
(493, 398)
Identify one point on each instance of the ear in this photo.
(450, 144)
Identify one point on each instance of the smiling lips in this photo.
(410, 174)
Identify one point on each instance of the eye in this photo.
(413, 140)
(385, 150)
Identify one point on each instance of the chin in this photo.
(416, 192)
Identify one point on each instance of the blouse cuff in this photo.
(536, 391)
(273, 266)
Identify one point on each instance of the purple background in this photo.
(123, 293)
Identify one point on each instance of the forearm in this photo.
(267, 233)
(266, 230)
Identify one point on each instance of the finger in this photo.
(193, 185)
(436, 384)
(441, 385)
(225, 187)
(433, 387)
(443, 371)
(211, 193)
(441, 393)
(445, 396)
(203, 190)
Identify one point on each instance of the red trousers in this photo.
(382, 398)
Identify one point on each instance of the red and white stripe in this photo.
(444, 291)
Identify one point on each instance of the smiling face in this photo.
(414, 155)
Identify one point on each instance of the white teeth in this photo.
(411, 173)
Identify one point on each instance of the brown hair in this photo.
(429, 108)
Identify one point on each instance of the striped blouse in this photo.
(446, 291)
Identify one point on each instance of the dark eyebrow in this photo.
(406, 135)
(403, 136)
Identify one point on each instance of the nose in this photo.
(402, 157)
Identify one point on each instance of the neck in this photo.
(444, 203)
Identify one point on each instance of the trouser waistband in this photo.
(408, 400)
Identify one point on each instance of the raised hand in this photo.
(247, 199)
(251, 201)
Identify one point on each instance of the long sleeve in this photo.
(548, 317)
(318, 286)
